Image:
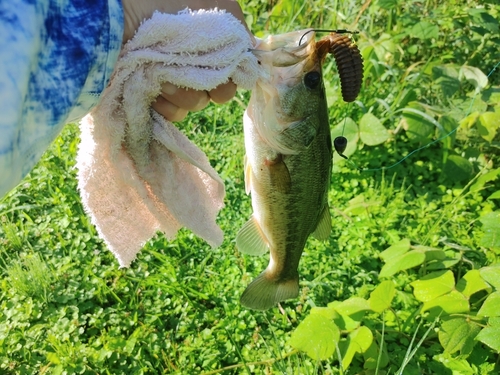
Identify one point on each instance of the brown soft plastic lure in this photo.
(349, 62)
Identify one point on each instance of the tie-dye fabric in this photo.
(56, 58)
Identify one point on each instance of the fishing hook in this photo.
(339, 31)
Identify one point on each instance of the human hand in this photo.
(174, 103)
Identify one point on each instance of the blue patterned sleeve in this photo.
(56, 58)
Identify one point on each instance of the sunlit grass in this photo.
(66, 306)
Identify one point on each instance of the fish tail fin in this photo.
(262, 293)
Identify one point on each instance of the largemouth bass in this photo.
(288, 162)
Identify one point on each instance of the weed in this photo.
(430, 222)
(30, 276)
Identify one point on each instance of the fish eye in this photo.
(312, 79)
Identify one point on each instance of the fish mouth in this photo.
(286, 50)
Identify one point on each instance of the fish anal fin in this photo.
(251, 240)
(324, 227)
(262, 293)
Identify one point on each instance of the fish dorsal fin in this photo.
(250, 239)
(248, 175)
(324, 227)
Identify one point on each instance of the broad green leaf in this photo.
(362, 337)
(475, 76)
(358, 342)
(494, 321)
(317, 336)
(395, 250)
(482, 17)
(350, 312)
(491, 230)
(484, 179)
(457, 168)
(490, 336)
(433, 285)
(443, 264)
(474, 108)
(471, 283)
(424, 30)
(470, 120)
(371, 130)
(491, 96)
(456, 365)
(495, 195)
(423, 248)
(452, 258)
(381, 297)
(447, 78)
(458, 335)
(419, 125)
(451, 303)
(406, 96)
(488, 124)
(450, 126)
(327, 312)
(352, 306)
(349, 129)
(432, 254)
(491, 275)
(384, 46)
(372, 355)
(491, 305)
(349, 322)
(403, 262)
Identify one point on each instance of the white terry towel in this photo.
(137, 172)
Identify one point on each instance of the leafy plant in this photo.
(467, 317)
(30, 276)
(410, 245)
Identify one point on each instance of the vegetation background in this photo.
(408, 282)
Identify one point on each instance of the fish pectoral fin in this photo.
(248, 175)
(324, 227)
(298, 136)
(262, 293)
(279, 176)
(250, 239)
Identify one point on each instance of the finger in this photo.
(189, 99)
(223, 93)
(169, 110)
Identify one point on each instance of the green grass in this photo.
(66, 307)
